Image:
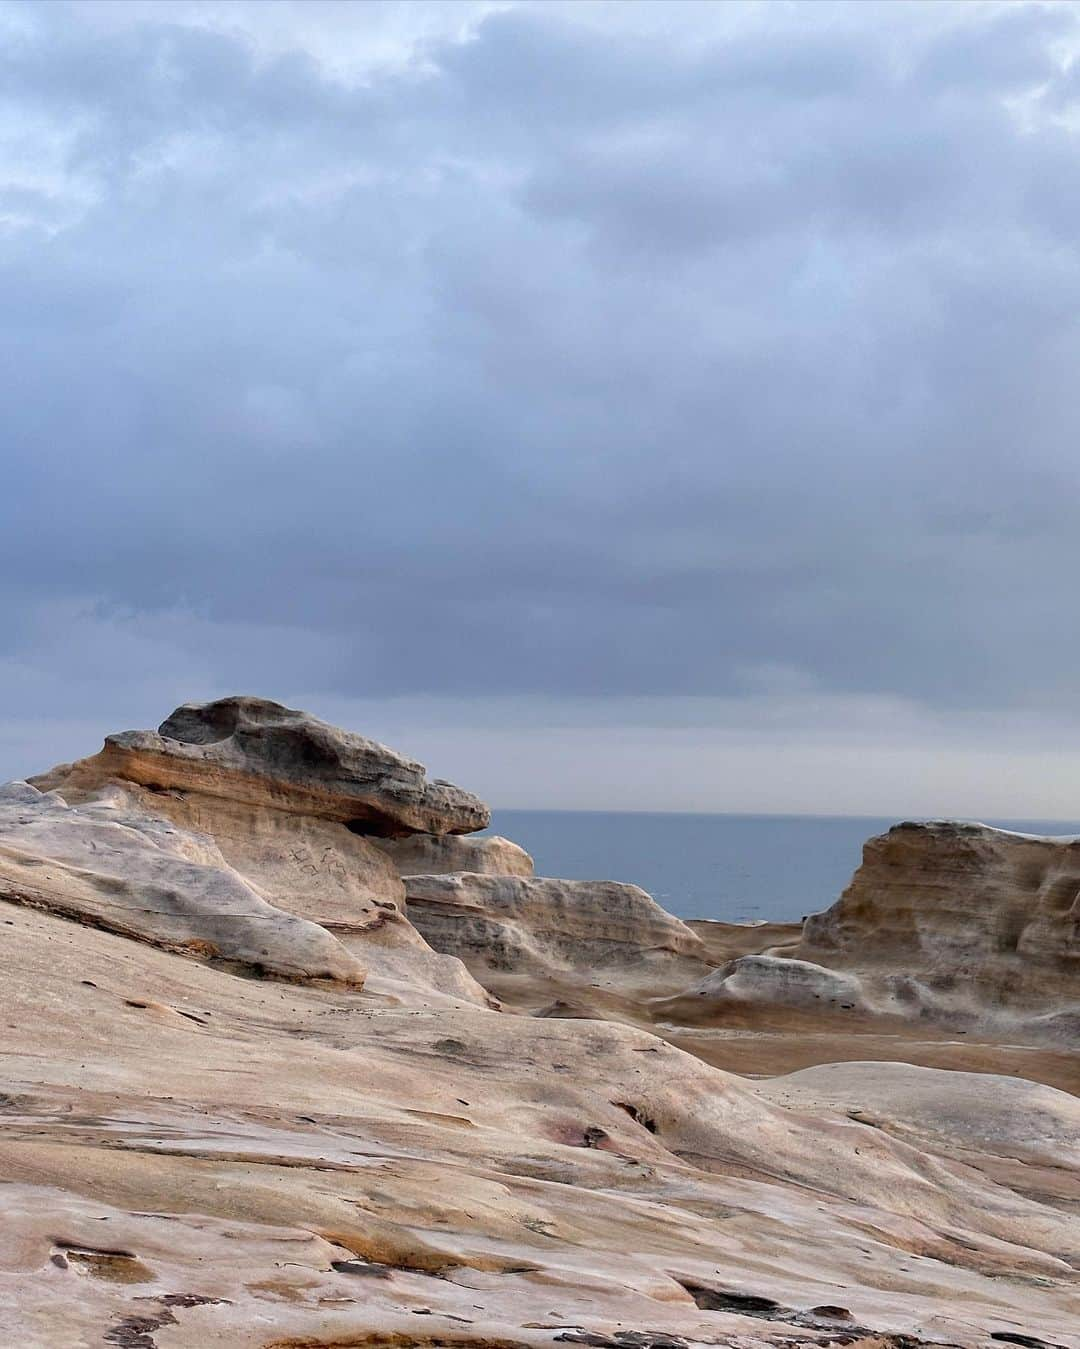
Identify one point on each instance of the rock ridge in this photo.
(263, 753)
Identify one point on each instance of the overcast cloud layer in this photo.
(667, 406)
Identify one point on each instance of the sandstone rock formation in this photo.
(110, 864)
(964, 893)
(291, 803)
(438, 854)
(191, 1156)
(981, 920)
(947, 930)
(257, 752)
(785, 983)
(540, 928)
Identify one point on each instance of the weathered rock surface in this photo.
(727, 941)
(956, 926)
(781, 982)
(108, 863)
(193, 1157)
(278, 1164)
(276, 796)
(955, 921)
(541, 928)
(438, 854)
(260, 753)
(957, 1113)
(975, 898)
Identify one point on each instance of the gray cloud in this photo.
(538, 352)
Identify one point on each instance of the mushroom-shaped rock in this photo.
(256, 751)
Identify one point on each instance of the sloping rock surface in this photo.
(973, 1112)
(193, 1157)
(109, 863)
(281, 1164)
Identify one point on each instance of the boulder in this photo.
(780, 982)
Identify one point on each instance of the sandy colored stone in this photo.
(192, 1157)
(987, 903)
(437, 854)
(108, 863)
(258, 752)
(239, 1139)
(543, 928)
(781, 982)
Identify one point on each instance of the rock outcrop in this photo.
(194, 1156)
(541, 929)
(109, 863)
(981, 917)
(257, 752)
(952, 925)
(438, 854)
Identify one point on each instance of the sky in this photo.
(622, 406)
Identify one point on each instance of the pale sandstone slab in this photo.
(976, 1112)
(243, 1142)
(541, 928)
(108, 863)
(438, 854)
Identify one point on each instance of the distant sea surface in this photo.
(734, 867)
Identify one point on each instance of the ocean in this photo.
(740, 868)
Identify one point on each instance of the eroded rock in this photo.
(439, 854)
(258, 752)
(539, 926)
(781, 982)
(108, 863)
(199, 1158)
(958, 920)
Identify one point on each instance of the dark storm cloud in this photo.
(578, 358)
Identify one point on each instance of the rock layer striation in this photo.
(215, 1131)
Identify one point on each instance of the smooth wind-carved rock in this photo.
(108, 863)
(438, 854)
(539, 927)
(972, 911)
(194, 1156)
(255, 751)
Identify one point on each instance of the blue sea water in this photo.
(735, 867)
